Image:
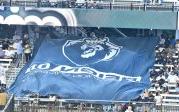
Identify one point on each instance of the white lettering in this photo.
(32, 67)
(81, 72)
(44, 66)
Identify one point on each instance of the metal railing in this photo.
(13, 71)
(10, 104)
(24, 104)
(96, 5)
(51, 104)
(63, 105)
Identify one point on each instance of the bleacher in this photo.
(6, 63)
(96, 4)
(166, 67)
(169, 98)
(10, 64)
(163, 66)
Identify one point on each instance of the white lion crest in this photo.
(90, 50)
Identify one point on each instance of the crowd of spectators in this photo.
(164, 74)
(88, 4)
(73, 4)
(56, 3)
(14, 49)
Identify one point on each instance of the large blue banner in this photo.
(89, 68)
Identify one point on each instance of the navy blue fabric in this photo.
(89, 68)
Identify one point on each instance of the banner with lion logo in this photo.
(108, 68)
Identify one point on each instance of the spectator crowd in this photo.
(164, 75)
(13, 49)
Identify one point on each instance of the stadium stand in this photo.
(161, 94)
(164, 5)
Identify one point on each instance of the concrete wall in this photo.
(115, 18)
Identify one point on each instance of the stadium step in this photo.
(12, 73)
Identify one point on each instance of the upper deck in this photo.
(91, 14)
